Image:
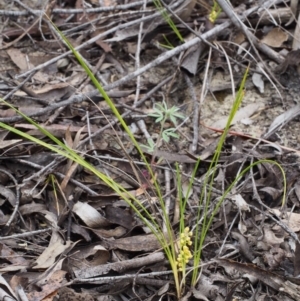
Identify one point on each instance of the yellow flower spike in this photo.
(184, 254)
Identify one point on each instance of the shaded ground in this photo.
(66, 235)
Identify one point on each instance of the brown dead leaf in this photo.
(56, 281)
(270, 237)
(105, 46)
(12, 256)
(55, 248)
(6, 292)
(20, 59)
(243, 245)
(31, 208)
(116, 232)
(7, 113)
(49, 92)
(275, 38)
(119, 216)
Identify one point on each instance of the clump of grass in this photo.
(190, 243)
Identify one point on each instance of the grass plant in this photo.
(179, 248)
(168, 19)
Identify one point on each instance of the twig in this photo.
(100, 280)
(122, 266)
(137, 56)
(134, 283)
(194, 145)
(167, 199)
(75, 11)
(119, 15)
(19, 86)
(27, 234)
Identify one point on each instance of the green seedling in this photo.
(162, 114)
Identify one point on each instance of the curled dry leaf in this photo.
(32, 208)
(89, 215)
(6, 292)
(273, 193)
(270, 237)
(240, 202)
(98, 253)
(258, 81)
(243, 245)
